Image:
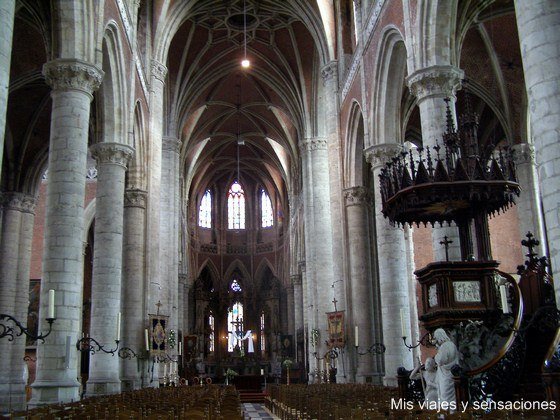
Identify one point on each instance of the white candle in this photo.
(262, 372)
(356, 341)
(50, 311)
(165, 369)
(147, 340)
(503, 296)
(119, 327)
(403, 325)
(180, 349)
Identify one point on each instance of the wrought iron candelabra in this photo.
(375, 348)
(9, 331)
(128, 353)
(85, 344)
(164, 358)
(425, 341)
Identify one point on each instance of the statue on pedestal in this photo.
(446, 357)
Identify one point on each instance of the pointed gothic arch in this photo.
(354, 148)
(388, 88)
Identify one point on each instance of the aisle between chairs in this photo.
(257, 411)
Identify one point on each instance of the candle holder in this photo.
(9, 331)
(85, 344)
(128, 353)
(425, 341)
(375, 348)
(163, 358)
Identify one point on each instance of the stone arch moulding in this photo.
(248, 279)
(390, 72)
(354, 147)
(113, 91)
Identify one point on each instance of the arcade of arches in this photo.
(145, 175)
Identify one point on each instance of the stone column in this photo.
(184, 291)
(393, 275)
(298, 304)
(155, 289)
(112, 159)
(529, 207)
(321, 273)
(169, 228)
(538, 24)
(73, 82)
(7, 11)
(332, 109)
(134, 314)
(290, 308)
(360, 282)
(15, 254)
(431, 86)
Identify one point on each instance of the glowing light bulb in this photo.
(245, 63)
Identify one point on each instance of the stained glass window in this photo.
(267, 218)
(263, 339)
(235, 286)
(235, 326)
(236, 207)
(205, 212)
(211, 337)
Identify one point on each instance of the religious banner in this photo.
(335, 323)
(158, 334)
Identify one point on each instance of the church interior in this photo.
(299, 198)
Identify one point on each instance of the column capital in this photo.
(183, 280)
(111, 153)
(435, 82)
(329, 71)
(135, 198)
(159, 71)
(380, 154)
(70, 74)
(313, 143)
(19, 201)
(301, 265)
(295, 279)
(523, 153)
(171, 144)
(357, 196)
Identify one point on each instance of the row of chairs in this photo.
(330, 401)
(208, 402)
(368, 402)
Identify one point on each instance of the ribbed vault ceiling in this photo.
(214, 101)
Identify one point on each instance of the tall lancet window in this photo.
(211, 335)
(235, 326)
(236, 207)
(205, 211)
(267, 218)
(263, 333)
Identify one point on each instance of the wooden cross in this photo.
(158, 304)
(530, 243)
(238, 323)
(446, 243)
(334, 301)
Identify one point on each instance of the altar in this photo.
(248, 382)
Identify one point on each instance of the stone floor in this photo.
(257, 411)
